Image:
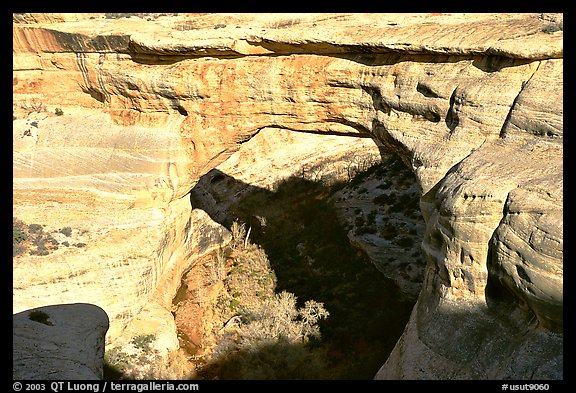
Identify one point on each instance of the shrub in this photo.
(34, 106)
(39, 316)
(238, 234)
(118, 15)
(35, 228)
(279, 317)
(406, 242)
(17, 249)
(43, 242)
(117, 362)
(384, 199)
(139, 361)
(271, 335)
(144, 342)
(371, 217)
(551, 29)
(271, 343)
(389, 231)
(58, 112)
(366, 230)
(18, 235)
(250, 278)
(67, 231)
(280, 360)
(41, 251)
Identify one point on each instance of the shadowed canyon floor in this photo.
(311, 256)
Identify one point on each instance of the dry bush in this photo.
(271, 341)
(264, 335)
(279, 318)
(238, 234)
(138, 360)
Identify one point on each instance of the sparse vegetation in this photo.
(138, 360)
(144, 342)
(143, 15)
(36, 240)
(66, 231)
(310, 255)
(19, 236)
(116, 363)
(551, 28)
(34, 106)
(19, 233)
(35, 228)
(258, 322)
(263, 324)
(40, 316)
(271, 342)
(118, 15)
(44, 243)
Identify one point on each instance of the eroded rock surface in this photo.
(59, 342)
(472, 103)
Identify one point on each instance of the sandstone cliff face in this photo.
(472, 103)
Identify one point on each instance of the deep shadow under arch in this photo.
(311, 255)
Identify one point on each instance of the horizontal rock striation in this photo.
(472, 103)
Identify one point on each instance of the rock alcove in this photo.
(317, 223)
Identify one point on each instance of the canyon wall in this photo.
(116, 118)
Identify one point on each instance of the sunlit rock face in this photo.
(472, 103)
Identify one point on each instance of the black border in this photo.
(370, 385)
